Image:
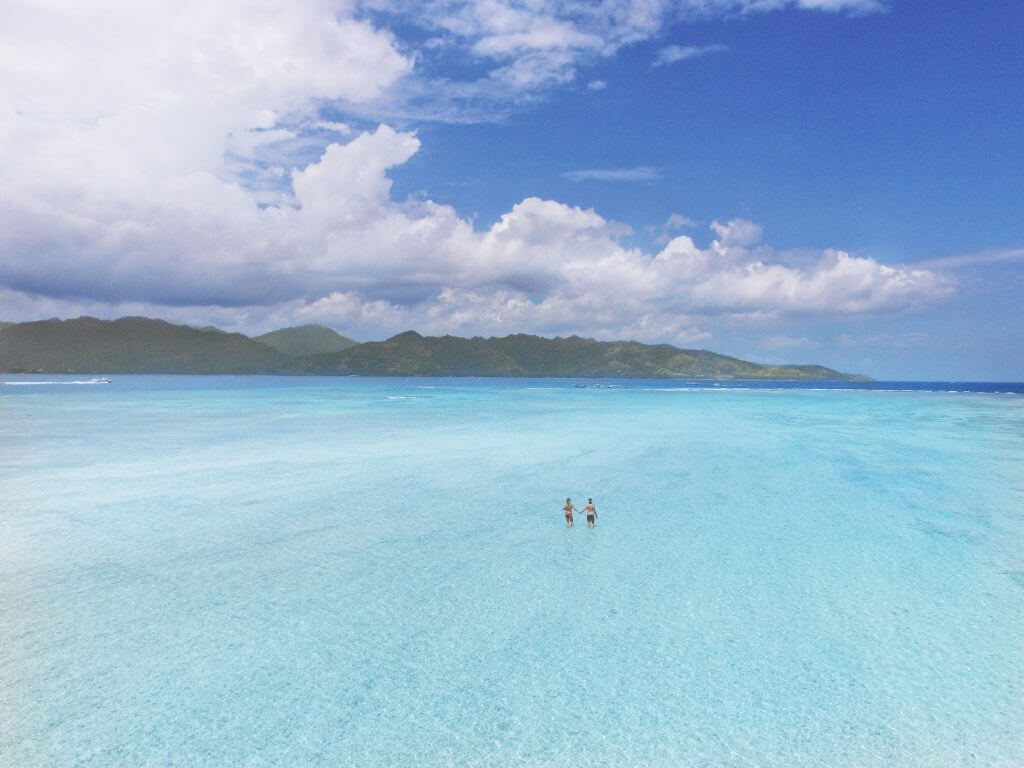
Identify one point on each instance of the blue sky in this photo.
(834, 181)
(865, 131)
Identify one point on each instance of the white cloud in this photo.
(637, 173)
(975, 258)
(852, 6)
(161, 86)
(333, 126)
(350, 254)
(673, 53)
(527, 47)
(673, 224)
(597, 85)
(172, 71)
(729, 277)
(739, 232)
(199, 188)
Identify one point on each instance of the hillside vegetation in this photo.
(130, 345)
(410, 354)
(306, 340)
(142, 345)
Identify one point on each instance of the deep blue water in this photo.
(265, 571)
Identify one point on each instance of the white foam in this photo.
(41, 383)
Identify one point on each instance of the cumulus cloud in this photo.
(129, 90)
(208, 185)
(739, 232)
(597, 85)
(729, 276)
(347, 252)
(252, 65)
(673, 224)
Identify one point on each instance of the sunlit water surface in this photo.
(292, 571)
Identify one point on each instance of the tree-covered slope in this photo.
(306, 340)
(141, 345)
(410, 354)
(130, 345)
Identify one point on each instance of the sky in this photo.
(786, 181)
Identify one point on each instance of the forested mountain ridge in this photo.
(144, 345)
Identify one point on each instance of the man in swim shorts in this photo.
(569, 509)
(591, 511)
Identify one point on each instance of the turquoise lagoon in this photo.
(227, 571)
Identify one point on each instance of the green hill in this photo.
(141, 345)
(410, 354)
(130, 345)
(306, 340)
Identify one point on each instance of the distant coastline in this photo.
(140, 345)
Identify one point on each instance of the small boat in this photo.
(100, 380)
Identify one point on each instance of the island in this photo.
(147, 345)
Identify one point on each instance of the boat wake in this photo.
(42, 383)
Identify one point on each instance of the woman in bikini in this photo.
(591, 511)
(569, 509)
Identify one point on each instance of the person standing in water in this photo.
(569, 509)
(591, 511)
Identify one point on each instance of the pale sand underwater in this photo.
(271, 571)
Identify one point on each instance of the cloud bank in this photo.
(347, 253)
(209, 185)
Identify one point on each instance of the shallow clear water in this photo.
(273, 571)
